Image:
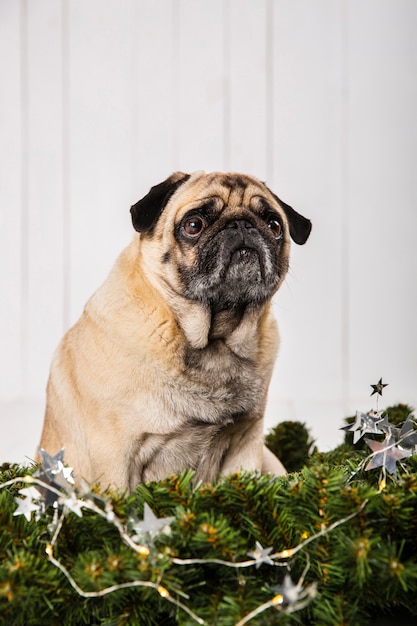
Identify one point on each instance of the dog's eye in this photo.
(276, 227)
(193, 226)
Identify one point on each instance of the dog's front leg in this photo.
(247, 451)
(271, 464)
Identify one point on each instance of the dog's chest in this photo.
(217, 385)
(194, 414)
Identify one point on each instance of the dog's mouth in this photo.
(244, 257)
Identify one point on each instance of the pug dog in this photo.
(169, 365)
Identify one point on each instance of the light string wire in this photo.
(113, 519)
(163, 592)
(284, 554)
(304, 596)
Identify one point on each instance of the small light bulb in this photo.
(279, 599)
(164, 593)
(286, 553)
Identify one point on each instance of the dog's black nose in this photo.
(239, 224)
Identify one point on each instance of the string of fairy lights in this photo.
(52, 485)
(42, 493)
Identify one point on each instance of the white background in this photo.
(100, 99)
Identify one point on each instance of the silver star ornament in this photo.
(290, 593)
(53, 472)
(30, 502)
(150, 525)
(364, 423)
(378, 388)
(386, 455)
(72, 503)
(261, 555)
(408, 434)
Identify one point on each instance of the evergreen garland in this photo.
(342, 531)
(292, 442)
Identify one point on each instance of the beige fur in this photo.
(130, 377)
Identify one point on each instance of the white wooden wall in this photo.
(100, 99)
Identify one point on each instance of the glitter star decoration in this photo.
(386, 455)
(365, 423)
(30, 502)
(293, 596)
(407, 436)
(53, 472)
(261, 555)
(378, 388)
(72, 503)
(288, 591)
(53, 468)
(150, 525)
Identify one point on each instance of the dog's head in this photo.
(219, 239)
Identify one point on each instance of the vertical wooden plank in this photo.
(101, 123)
(248, 87)
(44, 312)
(11, 199)
(307, 104)
(154, 77)
(383, 192)
(200, 85)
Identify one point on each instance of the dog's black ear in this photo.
(300, 226)
(145, 213)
